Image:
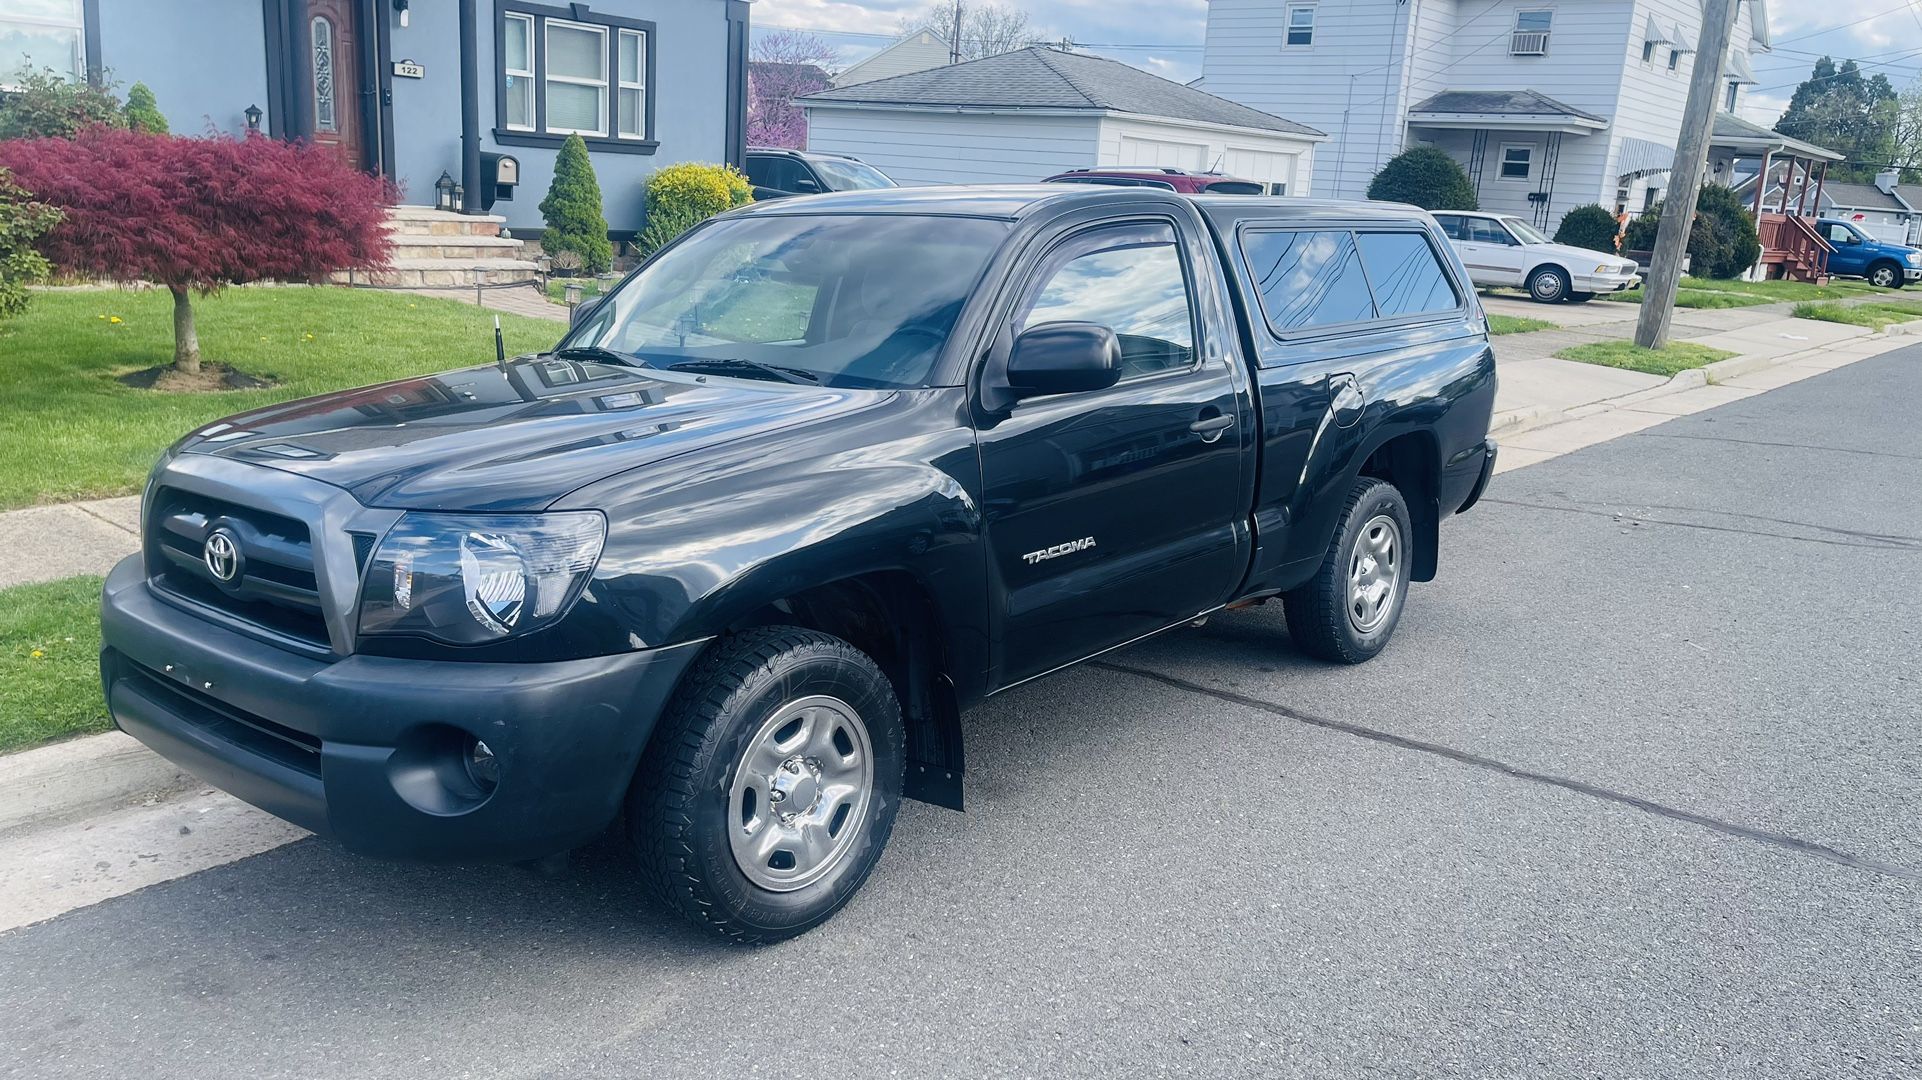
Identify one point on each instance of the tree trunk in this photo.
(186, 341)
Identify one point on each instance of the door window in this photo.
(1406, 278)
(1308, 279)
(1484, 231)
(1451, 226)
(1841, 234)
(1130, 280)
(322, 33)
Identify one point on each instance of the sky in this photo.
(1164, 36)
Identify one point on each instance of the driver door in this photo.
(1111, 514)
(1490, 253)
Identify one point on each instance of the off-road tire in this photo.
(1548, 285)
(1318, 611)
(677, 808)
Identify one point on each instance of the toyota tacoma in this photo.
(728, 563)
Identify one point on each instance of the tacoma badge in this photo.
(1068, 548)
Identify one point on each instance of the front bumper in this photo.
(369, 750)
(1912, 273)
(1605, 283)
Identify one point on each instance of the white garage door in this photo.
(1277, 170)
(1161, 154)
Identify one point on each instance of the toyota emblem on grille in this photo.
(222, 555)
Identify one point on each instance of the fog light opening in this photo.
(483, 768)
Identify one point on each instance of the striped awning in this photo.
(1679, 43)
(1652, 32)
(1640, 157)
(1738, 70)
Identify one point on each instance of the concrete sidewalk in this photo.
(53, 542)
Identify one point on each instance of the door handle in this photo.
(1210, 428)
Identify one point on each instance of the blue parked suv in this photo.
(1857, 254)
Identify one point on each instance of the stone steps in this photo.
(434, 248)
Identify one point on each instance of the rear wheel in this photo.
(1347, 612)
(1885, 275)
(1548, 285)
(770, 787)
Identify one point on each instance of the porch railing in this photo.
(1793, 243)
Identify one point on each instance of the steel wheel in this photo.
(801, 793)
(1374, 571)
(1882, 277)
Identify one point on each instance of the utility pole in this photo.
(954, 39)
(1685, 178)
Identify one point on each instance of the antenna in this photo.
(500, 345)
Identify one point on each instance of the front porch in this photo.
(1783, 178)
(1512, 144)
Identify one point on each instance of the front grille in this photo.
(275, 589)
(258, 735)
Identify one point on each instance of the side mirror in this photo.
(581, 312)
(1064, 358)
(806, 186)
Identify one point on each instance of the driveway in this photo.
(1633, 794)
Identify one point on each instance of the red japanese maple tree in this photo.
(198, 214)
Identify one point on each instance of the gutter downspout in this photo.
(470, 149)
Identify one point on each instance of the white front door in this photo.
(1161, 154)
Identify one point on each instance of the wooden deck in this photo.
(1793, 248)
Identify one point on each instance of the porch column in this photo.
(1802, 199)
(470, 150)
(1761, 183)
(1820, 177)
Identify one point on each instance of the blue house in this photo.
(412, 89)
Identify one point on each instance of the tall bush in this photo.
(143, 112)
(682, 196)
(1425, 176)
(1591, 227)
(196, 215)
(47, 104)
(22, 222)
(572, 210)
(1722, 241)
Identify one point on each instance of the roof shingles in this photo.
(1042, 78)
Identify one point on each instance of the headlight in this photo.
(464, 579)
(1915, 258)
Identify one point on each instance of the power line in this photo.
(1904, 6)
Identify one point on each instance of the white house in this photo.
(1549, 104)
(919, 51)
(1027, 114)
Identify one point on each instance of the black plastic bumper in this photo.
(1467, 476)
(370, 750)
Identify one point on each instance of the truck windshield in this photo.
(847, 300)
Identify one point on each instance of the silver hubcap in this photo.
(1547, 285)
(1374, 571)
(800, 794)
(1883, 277)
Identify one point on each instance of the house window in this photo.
(1674, 59)
(576, 78)
(631, 97)
(517, 62)
(322, 32)
(1301, 25)
(1648, 52)
(43, 34)
(1728, 103)
(574, 73)
(1531, 33)
(1517, 162)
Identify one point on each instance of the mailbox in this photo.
(502, 174)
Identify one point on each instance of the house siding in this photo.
(1245, 155)
(147, 42)
(918, 53)
(918, 147)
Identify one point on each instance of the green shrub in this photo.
(22, 223)
(45, 103)
(682, 196)
(143, 112)
(1425, 176)
(1591, 227)
(1722, 242)
(572, 210)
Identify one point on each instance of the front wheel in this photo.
(770, 787)
(1885, 276)
(1347, 612)
(1548, 285)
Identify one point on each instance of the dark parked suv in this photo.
(728, 563)
(777, 173)
(1192, 183)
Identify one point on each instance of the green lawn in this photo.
(74, 432)
(1696, 298)
(1694, 292)
(1874, 315)
(1514, 324)
(1677, 356)
(590, 287)
(50, 662)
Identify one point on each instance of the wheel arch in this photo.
(1411, 461)
(1568, 279)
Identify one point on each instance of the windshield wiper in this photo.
(601, 355)
(740, 365)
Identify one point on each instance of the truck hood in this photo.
(508, 438)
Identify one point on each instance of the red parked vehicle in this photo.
(1182, 180)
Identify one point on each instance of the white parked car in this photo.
(1501, 249)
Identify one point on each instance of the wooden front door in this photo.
(333, 67)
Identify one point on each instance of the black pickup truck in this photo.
(728, 563)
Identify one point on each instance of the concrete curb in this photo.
(1516, 421)
(56, 784)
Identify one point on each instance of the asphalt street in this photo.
(1636, 792)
